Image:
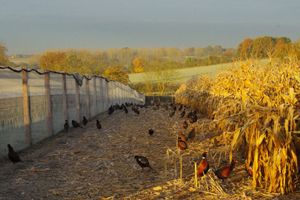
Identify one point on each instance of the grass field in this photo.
(182, 75)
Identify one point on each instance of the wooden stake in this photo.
(65, 97)
(77, 102)
(49, 114)
(88, 98)
(26, 109)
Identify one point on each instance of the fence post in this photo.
(26, 108)
(88, 99)
(65, 98)
(95, 96)
(49, 115)
(77, 101)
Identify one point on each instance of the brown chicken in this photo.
(225, 172)
(182, 145)
(203, 166)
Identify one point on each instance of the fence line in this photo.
(35, 104)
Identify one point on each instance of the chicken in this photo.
(185, 125)
(76, 124)
(191, 134)
(143, 162)
(193, 118)
(124, 108)
(66, 126)
(182, 114)
(182, 145)
(203, 166)
(136, 110)
(181, 136)
(225, 172)
(180, 107)
(150, 131)
(171, 114)
(12, 155)
(84, 121)
(98, 125)
(111, 110)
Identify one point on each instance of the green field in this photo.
(182, 75)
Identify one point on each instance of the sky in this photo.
(33, 26)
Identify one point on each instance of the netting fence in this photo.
(34, 104)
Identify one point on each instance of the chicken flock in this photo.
(189, 116)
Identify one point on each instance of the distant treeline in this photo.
(263, 47)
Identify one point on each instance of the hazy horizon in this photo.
(33, 26)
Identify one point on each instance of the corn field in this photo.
(256, 106)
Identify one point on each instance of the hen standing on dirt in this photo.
(76, 124)
(84, 121)
(185, 125)
(98, 125)
(66, 126)
(136, 110)
(225, 172)
(191, 134)
(111, 110)
(143, 162)
(151, 131)
(12, 155)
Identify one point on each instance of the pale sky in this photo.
(32, 26)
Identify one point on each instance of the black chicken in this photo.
(150, 131)
(143, 162)
(191, 134)
(98, 124)
(124, 108)
(66, 126)
(84, 121)
(76, 124)
(185, 125)
(180, 107)
(12, 155)
(182, 114)
(111, 110)
(171, 114)
(136, 110)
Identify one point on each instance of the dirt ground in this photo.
(99, 164)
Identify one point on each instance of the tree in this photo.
(245, 48)
(117, 74)
(138, 65)
(3, 56)
(53, 60)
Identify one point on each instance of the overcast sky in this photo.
(31, 26)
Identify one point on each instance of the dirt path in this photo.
(93, 163)
(99, 164)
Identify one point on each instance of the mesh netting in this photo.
(95, 96)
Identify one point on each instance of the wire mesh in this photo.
(95, 96)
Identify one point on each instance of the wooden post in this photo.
(26, 109)
(95, 97)
(77, 102)
(65, 98)
(88, 98)
(49, 115)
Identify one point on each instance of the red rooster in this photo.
(203, 166)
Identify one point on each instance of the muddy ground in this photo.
(99, 164)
